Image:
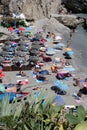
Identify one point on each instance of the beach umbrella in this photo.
(20, 53)
(21, 42)
(18, 59)
(11, 38)
(68, 49)
(4, 53)
(7, 43)
(59, 45)
(2, 88)
(5, 48)
(23, 38)
(28, 28)
(33, 59)
(70, 52)
(50, 51)
(1, 74)
(42, 49)
(43, 40)
(34, 48)
(1, 59)
(10, 29)
(21, 28)
(58, 38)
(38, 36)
(58, 101)
(22, 48)
(34, 52)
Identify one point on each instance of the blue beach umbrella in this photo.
(50, 51)
(61, 85)
(28, 28)
(59, 45)
(58, 101)
(70, 52)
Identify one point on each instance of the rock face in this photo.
(76, 6)
(31, 8)
(69, 20)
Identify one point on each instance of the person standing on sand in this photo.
(69, 41)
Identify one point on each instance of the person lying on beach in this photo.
(35, 71)
(22, 73)
(41, 78)
(77, 81)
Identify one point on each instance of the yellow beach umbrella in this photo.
(68, 49)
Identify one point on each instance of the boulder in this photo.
(69, 20)
(76, 6)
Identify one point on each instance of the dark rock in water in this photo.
(76, 6)
(85, 24)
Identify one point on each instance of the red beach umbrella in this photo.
(0, 71)
(21, 28)
(2, 75)
(10, 29)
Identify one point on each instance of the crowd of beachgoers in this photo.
(51, 66)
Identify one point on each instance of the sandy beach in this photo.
(45, 88)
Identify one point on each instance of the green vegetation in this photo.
(9, 21)
(38, 116)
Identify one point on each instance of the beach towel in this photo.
(18, 75)
(61, 85)
(24, 81)
(79, 101)
(69, 68)
(67, 78)
(13, 89)
(39, 81)
(32, 73)
(44, 72)
(36, 94)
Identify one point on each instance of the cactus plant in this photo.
(82, 126)
(78, 117)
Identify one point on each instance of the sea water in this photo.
(79, 43)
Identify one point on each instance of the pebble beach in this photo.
(45, 87)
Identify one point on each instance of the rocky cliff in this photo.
(41, 8)
(76, 6)
(31, 8)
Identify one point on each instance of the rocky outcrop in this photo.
(69, 20)
(76, 6)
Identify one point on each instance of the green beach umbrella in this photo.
(2, 88)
